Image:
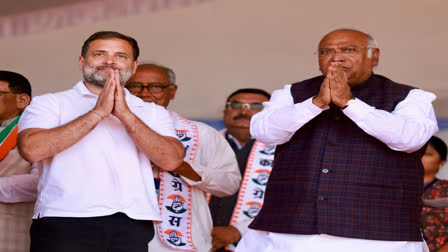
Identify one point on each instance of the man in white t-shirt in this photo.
(94, 143)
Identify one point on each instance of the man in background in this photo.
(18, 178)
(231, 215)
(209, 166)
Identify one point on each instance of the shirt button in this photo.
(320, 198)
(337, 118)
(325, 170)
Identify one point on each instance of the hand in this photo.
(222, 236)
(323, 98)
(105, 103)
(153, 165)
(187, 171)
(339, 89)
(120, 106)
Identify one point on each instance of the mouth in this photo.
(106, 68)
(146, 99)
(241, 118)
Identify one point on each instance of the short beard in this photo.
(92, 76)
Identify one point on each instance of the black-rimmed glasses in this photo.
(153, 88)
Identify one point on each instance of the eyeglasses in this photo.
(239, 106)
(153, 88)
(345, 51)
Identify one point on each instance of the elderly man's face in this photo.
(147, 76)
(356, 65)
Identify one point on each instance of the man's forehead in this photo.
(4, 85)
(344, 37)
(248, 97)
(106, 44)
(151, 73)
(152, 70)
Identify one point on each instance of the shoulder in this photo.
(52, 99)
(309, 82)
(208, 133)
(442, 184)
(154, 108)
(307, 86)
(390, 83)
(204, 128)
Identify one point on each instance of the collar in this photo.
(237, 144)
(430, 184)
(6, 123)
(131, 100)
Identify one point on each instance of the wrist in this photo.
(318, 102)
(97, 113)
(348, 103)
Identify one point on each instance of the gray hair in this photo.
(167, 70)
(371, 42)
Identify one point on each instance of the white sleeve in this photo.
(407, 128)
(19, 188)
(242, 226)
(281, 118)
(216, 163)
(43, 112)
(160, 120)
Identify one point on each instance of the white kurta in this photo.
(407, 129)
(215, 162)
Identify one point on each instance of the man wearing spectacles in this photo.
(18, 178)
(231, 215)
(347, 173)
(209, 166)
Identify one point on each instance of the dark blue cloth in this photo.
(333, 178)
(112, 233)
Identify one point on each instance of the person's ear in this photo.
(441, 164)
(22, 100)
(81, 62)
(135, 66)
(375, 56)
(173, 90)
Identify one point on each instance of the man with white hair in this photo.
(347, 174)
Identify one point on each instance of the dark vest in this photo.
(221, 208)
(333, 178)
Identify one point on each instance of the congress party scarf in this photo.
(8, 138)
(175, 196)
(251, 194)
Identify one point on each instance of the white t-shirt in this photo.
(104, 172)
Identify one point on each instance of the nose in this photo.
(145, 92)
(110, 60)
(337, 56)
(245, 110)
